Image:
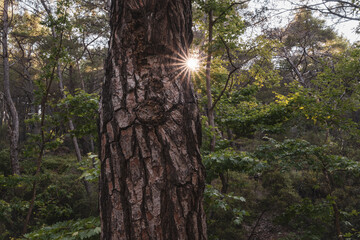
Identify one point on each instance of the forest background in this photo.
(280, 115)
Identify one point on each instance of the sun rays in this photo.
(193, 63)
(188, 65)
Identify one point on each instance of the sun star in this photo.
(192, 63)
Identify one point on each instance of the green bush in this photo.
(88, 228)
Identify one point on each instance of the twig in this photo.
(229, 75)
(256, 224)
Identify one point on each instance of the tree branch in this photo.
(227, 9)
(229, 75)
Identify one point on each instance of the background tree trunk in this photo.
(152, 178)
(210, 109)
(14, 118)
(71, 125)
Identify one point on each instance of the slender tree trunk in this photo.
(210, 108)
(91, 138)
(72, 84)
(2, 109)
(152, 178)
(211, 118)
(337, 220)
(330, 181)
(72, 128)
(34, 127)
(32, 109)
(44, 140)
(14, 118)
(81, 77)
(224, 182)
(61, 86)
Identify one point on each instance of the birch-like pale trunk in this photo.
(14, 118)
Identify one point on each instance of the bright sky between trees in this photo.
(283, 12)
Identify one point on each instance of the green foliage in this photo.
(90, 168)
(313, 219)
(61, 196)
(12, 206)
(289, 145)
(4, 162)
(301, 155)
(308, 30)
(82, 108)
(224, 213)
(227, 22)
(245, 118)
(280, 189)
(43, 42)
(230, 160)
(88, 228)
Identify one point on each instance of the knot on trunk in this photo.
(151, 112)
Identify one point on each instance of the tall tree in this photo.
(222, 21)
(345, 9)
(152, 178)
(14, 118)
(60, 73)
(306, 44)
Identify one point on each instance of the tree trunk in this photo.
(210, 109)
(62, 92)
(26, 61)
(80, 76)
(72, 85)
(14, 118)
(337, 220)
(71, 126)
(224, 182)
(152, 178)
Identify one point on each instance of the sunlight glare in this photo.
(192, 64)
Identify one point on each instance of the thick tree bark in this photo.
(14, 118)
(152, 178)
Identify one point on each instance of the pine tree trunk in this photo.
(152, 178)
(14, 118)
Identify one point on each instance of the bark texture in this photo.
(152, 178)
(14, 117)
